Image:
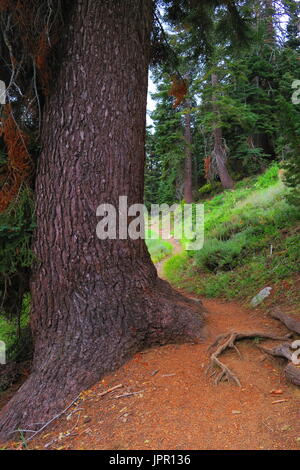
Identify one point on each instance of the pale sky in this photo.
(152, 88)
(150, 102)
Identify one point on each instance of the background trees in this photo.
(250, 103)
(93, 143)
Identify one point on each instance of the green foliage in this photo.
(157, 247)
(16, 227)
(288, 142)
(166, 148)
(153, 168)
(268, 178)
(259, 122)
(15, 331)
(174, 267)
(210, 188)
(241, 226)
(7, 331)
(218, 255)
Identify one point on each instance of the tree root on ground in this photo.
(227, 341)
(291, 323)
(291, 371)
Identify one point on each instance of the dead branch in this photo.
(283, 350)
(291, 371)
(110, 390)
(46, 424)
(249, 335)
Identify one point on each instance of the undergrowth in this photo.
(251, 241)
(16, 227)
(158, 248)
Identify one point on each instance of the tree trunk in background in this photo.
(266, 15)
(269, 15)
(188, 163)
(219, 151)
(95, 302)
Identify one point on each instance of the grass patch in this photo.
(12, 331)
(175, 267)
(158, 248)
(251, 241)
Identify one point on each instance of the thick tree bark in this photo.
(188, 163)
(95, 302)
(219, 151)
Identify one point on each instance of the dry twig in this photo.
(110, 390)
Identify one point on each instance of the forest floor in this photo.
(170, 402)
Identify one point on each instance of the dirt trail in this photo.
(179, 406)
(177, 248)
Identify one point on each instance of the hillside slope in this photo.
(251, 241)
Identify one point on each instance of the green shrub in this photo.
(157, 248)
(268, 178)
(15, 332)
(175, 267)
(210, 188)
(16, 227)
(240, 228)
(219, 255)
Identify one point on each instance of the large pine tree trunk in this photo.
(95, 302)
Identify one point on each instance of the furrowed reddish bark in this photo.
(95, 302)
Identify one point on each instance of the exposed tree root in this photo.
(156, 316)
(291, 323)
(291, 371)
(229, 340)
(283, 350)
(292, 374)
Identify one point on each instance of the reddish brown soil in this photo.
(179, 406)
